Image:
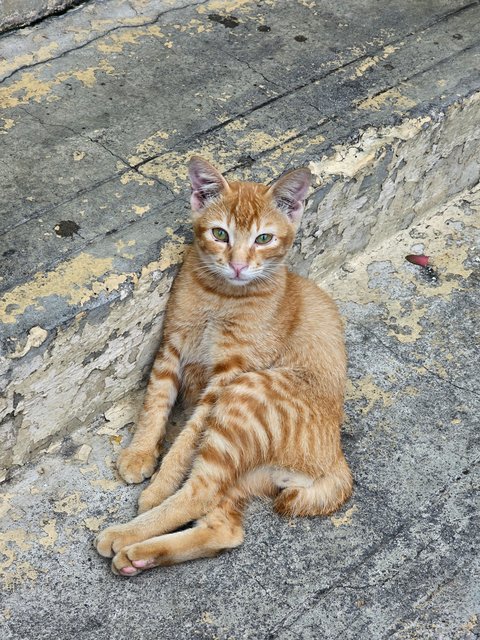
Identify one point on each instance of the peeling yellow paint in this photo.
(105, 484)
(372, 61)
(30, 87)
(171, 167)
(110, 283)
(122, 245)
(12, 571)
(449, 250)
(349, 159)
(27, 59)
(72, 280)
(346, 519)
(408, 323)
(194, 26)
(367, 389)
(206, 618)
(71, 504)
(151, 146)
(140, 211)
(135, 176)
(18, 575)
(8, 124)
(115, 42)
(391, 97)
(171, 254)
(36, 337)
(52, 536)
(94, 524)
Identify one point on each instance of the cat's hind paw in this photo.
(112, 539)
(135, 465)
(132, 560)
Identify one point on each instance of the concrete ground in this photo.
(400, 560)
(99, 109)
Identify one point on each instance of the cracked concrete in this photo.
(20, 13)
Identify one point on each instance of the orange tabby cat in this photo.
(260, 352)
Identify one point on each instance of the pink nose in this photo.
(238, 267)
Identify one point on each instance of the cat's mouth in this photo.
(239, 279)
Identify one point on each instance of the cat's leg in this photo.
(219, 529)
(174, 467)
(178, 460)
(138, 461)
(236, 440)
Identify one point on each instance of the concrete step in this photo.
(111, 99)
(20, 13)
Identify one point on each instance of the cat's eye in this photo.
(264, 238)
(220, 234)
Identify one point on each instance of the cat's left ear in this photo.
(207, 183)
(289, 193)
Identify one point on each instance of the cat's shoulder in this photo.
(301, 283)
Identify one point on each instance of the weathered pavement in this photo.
(99, 110)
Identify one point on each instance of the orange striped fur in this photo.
(259, 351)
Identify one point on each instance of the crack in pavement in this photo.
(54, 14)
(387, 539)
(325, 120)
(99, 37)
(406, 360)
(80, 134)
(214, 128)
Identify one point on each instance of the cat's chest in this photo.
(202, 337)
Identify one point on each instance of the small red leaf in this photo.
(422, 261)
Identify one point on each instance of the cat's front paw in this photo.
(134, 465)
(151, 497)
(112, 539)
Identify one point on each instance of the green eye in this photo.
(264, 238)
(220, 234)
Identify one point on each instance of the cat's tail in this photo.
(324, 496)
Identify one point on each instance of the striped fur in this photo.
(263, 360)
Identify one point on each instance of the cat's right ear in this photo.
(207, 183)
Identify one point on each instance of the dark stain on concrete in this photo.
(229, 22)
(263, 28)
(66, 229)
(301, 38)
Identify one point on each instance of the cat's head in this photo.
(243, 230)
